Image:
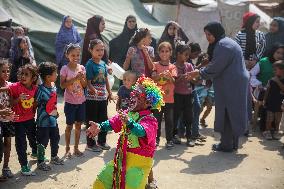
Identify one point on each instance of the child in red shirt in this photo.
(22, 94)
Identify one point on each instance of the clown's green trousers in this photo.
(137, 170)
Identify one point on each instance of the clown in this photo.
(136, 145)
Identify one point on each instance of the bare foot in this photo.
(77, 152)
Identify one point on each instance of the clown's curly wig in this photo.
(154, 94)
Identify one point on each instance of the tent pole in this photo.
(178, 10)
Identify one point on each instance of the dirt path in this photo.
(258, 164)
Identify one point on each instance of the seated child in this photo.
(129, 79)
(136, 145)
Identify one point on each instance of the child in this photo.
(22, 94)
(138, 56)
(273, 99)
(8, 129)
(20, 32)
(129, 79)
(136, 146)
(73, 78)
(20, 56)
(4, 113)
(165, 73)
(96, 97)
(47, 127)
(195, 51)
(182, 93)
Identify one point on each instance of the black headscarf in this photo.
(217, 30)
(118, 46)
(250, 36)
(171, 39)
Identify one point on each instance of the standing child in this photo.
(183, 96)
(8, 129)
(138, 56)
(4, 113)
(47, 127)
(272, 100)
(22, 94)
(73, 79)
(96, 97)
(165, 73)
(129, 79)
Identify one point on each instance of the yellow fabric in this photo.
(132, 161)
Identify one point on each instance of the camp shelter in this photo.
(43, 19)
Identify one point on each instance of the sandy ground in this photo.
(258, 164)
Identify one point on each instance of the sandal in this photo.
(78, 153)
(3, 178)
(68, 155)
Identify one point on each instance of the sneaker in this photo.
(56, 161)
(34, 156)
(169, 145)
(6, 172)
(43, 166)
(190, 143)
(203, 123)
(200, 137)
(157, 142)
(267, 135)
(176, 140)
(104, 146)
(152, 185)
(276, 135)
(25, 170)
(95, 148)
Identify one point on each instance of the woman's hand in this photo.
(192, 75)
(111, 98)
(93, 130)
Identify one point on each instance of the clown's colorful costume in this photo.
(136, 146)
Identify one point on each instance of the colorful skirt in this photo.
(137, 170)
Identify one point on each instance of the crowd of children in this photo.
(87, 92)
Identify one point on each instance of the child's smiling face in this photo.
(4, 72)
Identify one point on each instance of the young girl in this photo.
(272, 100)
(182, 93)
(136, 146)
(7, 128)
(172, 34)
(165, 73)
(22, 94)
(73, 79)
(21, 56)
(129, 79)
(138, 58)
(96, 97)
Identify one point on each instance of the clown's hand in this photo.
(93, 130)
(123, 116)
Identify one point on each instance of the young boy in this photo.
(47, 128)
(129, 79)
(273, 100)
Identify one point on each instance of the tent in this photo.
(43, 19)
